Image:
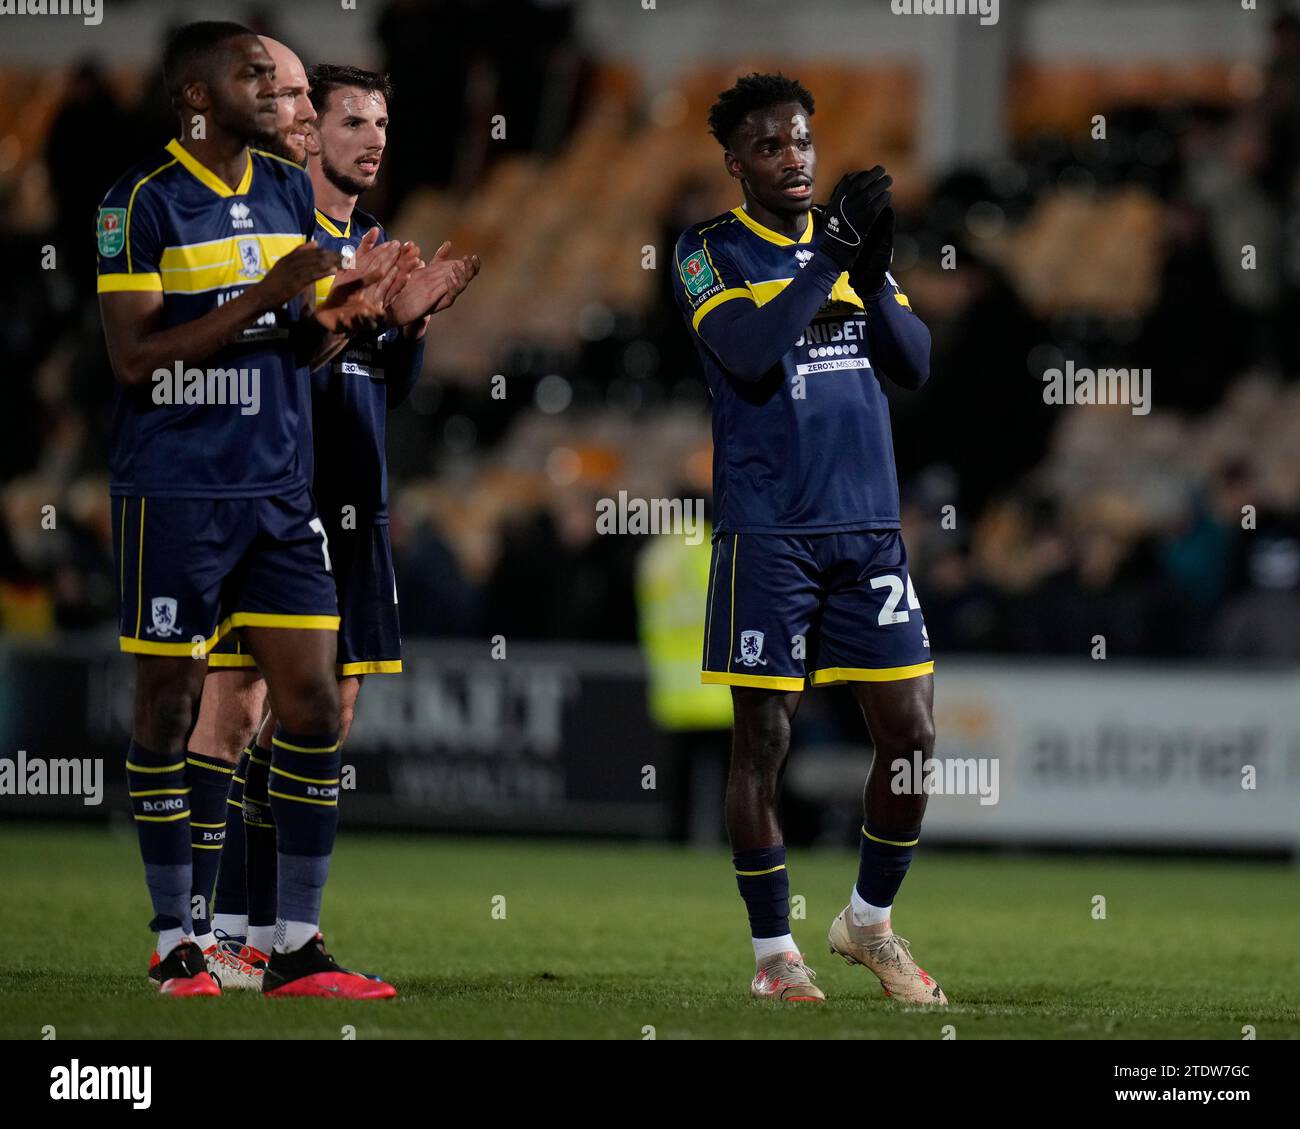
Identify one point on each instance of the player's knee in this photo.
(164, 715)
(910, 731)
(237, 728)
(312, 707)
(227, 744)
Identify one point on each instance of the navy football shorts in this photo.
(192, 569)
(827, 607)
(370, 638)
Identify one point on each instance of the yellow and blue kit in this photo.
(213, 521)
(809, 574)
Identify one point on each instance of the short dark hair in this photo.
(324, 77)
(754, 92)
(191, 51)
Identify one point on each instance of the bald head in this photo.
(294, 112)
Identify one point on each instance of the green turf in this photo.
(601, 941)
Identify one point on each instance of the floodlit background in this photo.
(1113, 598)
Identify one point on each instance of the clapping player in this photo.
(797, 320)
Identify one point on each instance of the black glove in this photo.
(857, 201)
(867, 275)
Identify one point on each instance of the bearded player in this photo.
(797, 320)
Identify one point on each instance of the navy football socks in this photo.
(232, 881)
(883, 858)
(304, 793)
(765, 885)
(209, 780)
(259, 847)
(160, 805)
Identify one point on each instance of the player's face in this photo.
(772, 153)
(242, 91)
(352, 134)
(294, 112)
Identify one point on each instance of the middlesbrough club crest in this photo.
(250, 258)
(164, 617)
(751, 649)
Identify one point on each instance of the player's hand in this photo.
(352, 306)
(361, 255)
(377, 266)
(856, 203)
(433, 286)
(407, 262)
(350, 311)
(867, 275)
(294, 273)
(472, 266)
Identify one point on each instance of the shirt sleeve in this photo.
(403, 362)
(129, 239)
(704, 278)
(897, 340)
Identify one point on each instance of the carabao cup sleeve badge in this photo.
(111, 230)
(697, 275)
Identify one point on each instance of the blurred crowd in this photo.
(1031, 528)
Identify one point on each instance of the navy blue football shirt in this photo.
(353, 393)
(172, 226)
(808, 447)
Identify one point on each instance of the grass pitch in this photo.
(604, 941)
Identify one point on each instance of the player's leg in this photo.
(287, 610)
(237, 712)
(303, 774)
(759, 750)
(761, 605)
(260, 864)
(260, 844)
(369, 639)
(303, 788)
(220, 734)
(900, 718)
(259, 826)
(873, 637)
(158, 779)
(233, 704)
(172, 558)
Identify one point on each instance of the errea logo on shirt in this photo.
(240, 217)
